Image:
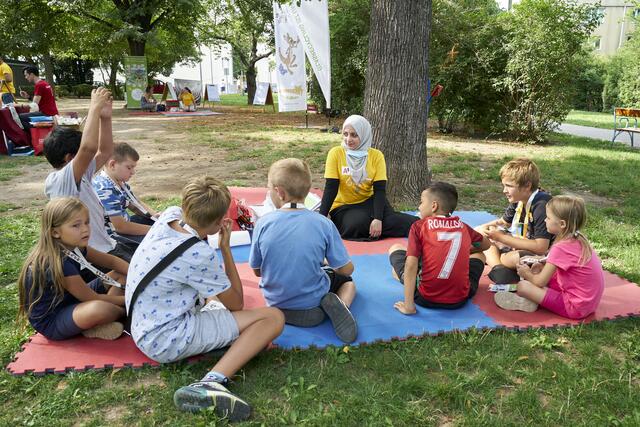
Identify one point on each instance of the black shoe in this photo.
(341, 318)
(304, 318)
(503, 275)
(205, 394)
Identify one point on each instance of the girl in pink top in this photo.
(571, 281)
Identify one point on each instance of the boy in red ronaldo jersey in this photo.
(450, 251)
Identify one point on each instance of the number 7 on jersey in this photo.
(456, 239)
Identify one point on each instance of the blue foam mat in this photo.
(377, 320)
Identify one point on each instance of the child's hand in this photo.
(495, 234)
(483, 229)
(224, 235)
(107, 110)
(99, 98)
(405, 308)
(24, 94)
(523, 270)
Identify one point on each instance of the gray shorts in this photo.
(215, 327)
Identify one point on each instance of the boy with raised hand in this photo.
(450, 251)
(288, 251)
(117, 197)
(76, 156)
(522, 230)
(167, 326)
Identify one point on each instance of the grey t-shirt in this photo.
(61, 183)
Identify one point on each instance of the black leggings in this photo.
(353, 221)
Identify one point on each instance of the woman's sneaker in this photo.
(206, 394)
(108, 331)
(341, 318)
(512, 301)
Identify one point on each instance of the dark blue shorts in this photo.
(62, 326)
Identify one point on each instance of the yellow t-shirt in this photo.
(6, 86)
(348, 192)
(187, 99)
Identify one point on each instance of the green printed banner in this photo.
(135, 71)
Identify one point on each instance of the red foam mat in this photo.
(621, 298)
(42, 356)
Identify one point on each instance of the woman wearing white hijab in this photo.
(354, 193)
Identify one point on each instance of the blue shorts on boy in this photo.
(55, 321)
(166, 325)
(289, 247)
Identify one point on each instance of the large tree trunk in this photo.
(395, 100)
(136, 47)
(251, 82)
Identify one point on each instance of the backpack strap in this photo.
(157, 269)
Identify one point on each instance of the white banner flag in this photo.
(311, 20)
(290, 68)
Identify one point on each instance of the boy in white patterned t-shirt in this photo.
(166, 324)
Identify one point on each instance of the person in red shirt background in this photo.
(42, 97)
(450, 252)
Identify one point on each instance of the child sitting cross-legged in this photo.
(450, 251)
(53, 296)
(166, 324)
(571, 281)
(288, 251)
(521, 231)
(117, 197)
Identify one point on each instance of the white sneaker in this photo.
(512, 301)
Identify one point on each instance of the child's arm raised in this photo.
(79, 289)
(541, 279)
(232, 298)
(410, 273)
(89, 141)
(105, 139)
(107, 261)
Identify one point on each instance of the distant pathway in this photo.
(597, 133)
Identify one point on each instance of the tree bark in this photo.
(395, 99)
(136, 47)
(251, 82)
(47, 61)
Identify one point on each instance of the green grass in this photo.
(240, 100)
(10, 167)
(584, 375)
(590, 118)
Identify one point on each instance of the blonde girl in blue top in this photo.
(53, 295)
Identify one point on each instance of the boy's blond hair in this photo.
(292, 175)
(123, 151)
(521, 171)
(205, 200)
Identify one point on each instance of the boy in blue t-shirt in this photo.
(288, 252)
